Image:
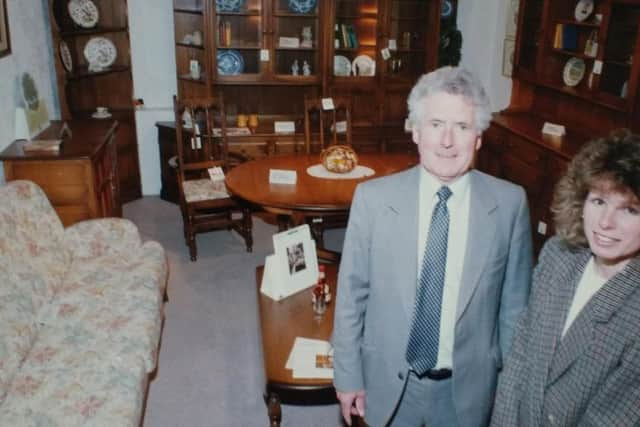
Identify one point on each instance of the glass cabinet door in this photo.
(620, 47)
(296, 40)
(408, 26)
(355, 26)
(238, 28)
(191, 43)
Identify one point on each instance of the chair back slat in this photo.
(323, 128)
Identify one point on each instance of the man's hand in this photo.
(351, 403)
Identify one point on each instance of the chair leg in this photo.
(274, 410)
(247, 228)
(284, 221)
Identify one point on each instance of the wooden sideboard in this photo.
(80, 179)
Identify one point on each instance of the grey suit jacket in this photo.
(589, 377)
(377, 285)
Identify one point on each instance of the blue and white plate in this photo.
(302, 6)
(230, 62)
(229, 5)
(446, 9)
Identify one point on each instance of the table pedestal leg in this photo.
(274, 410)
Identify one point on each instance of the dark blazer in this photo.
(592, 375)
(377, 286)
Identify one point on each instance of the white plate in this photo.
(363, 65)
(341, 66)
(97, 115)
(573, 71)
(584, 9)
(83, 12)
(65, 56)
(100, 53)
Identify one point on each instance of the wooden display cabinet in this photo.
(267, 37)
(605, 98)
(82, 89)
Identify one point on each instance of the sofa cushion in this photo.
(75, 387)
(31, 235)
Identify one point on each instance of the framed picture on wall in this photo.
(5, 43)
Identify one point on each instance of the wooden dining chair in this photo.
(322, 128)
(325, 127)
(202, 157)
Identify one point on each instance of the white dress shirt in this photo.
(590, 283)
(458, 206)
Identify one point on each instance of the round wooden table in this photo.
(309, 195)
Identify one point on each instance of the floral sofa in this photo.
(80, 315)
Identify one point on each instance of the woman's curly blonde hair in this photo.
(611, 163)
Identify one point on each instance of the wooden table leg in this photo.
(274, 410)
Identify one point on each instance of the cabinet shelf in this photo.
(188, 11)
(573, 53)
(92, 31)
(84, 73)
(190, 45)
(250, 12)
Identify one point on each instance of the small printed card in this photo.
(292, 42)
(393, 45)
(282, 176)
(264, 55)
(284, 127)
(327, 104)
(553, 129)
(385, 53)
(216, 174)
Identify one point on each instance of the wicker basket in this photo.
(339, 158)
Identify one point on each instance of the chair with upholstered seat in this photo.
(324, 128)
(201, 138)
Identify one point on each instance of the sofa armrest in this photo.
(100, 237)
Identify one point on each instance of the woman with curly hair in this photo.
(576, 353)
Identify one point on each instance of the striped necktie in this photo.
(422, 349)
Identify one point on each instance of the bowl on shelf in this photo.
(339, 159)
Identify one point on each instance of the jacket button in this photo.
(552, 419)
(400, 376)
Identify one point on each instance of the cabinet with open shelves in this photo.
(93, 69)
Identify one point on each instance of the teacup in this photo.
(102, 111)
(196, 37)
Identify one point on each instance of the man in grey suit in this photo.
(418, 337)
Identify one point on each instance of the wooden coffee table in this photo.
(280, 323)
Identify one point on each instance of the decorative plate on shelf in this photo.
(83, 12)
(302, 6)
(446, 9)
(229, 5)
(100, 53)
(65, 56)
(341, 66)
(573, 71)
(584, 9)
(363, 65)
(230, 62)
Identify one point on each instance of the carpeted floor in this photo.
(210, 366)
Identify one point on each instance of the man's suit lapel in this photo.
(599, 310)
(404, 207)
(482, 229)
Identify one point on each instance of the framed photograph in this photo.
(507, 57)
(294, 264)
(5, 42)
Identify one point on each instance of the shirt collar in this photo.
(430, 185)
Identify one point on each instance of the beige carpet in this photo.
(210, 366)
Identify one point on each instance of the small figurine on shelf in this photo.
(295, 68)
(306, 69)
(321, 294)
(306, 37)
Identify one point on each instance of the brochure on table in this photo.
(293, 266)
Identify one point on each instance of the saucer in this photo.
(97, 115)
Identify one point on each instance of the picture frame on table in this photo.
(508, 52)
(5, 40)
(294, 264)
